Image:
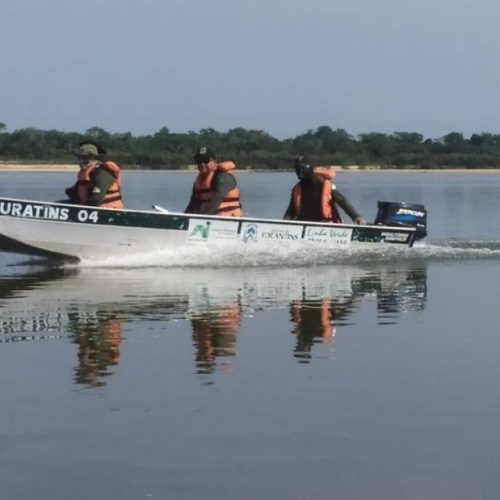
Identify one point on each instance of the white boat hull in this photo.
(87, 233)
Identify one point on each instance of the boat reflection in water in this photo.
(93, 307)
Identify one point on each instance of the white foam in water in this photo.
(458, 250)
(227, 255)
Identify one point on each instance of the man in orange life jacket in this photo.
(314, 198)
(98, 181)
(215, 191)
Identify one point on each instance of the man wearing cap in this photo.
(98, 181)
(315, 198)
(215, 191)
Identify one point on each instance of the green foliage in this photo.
(258, 149)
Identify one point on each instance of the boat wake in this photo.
(458, 250)
(234, 256)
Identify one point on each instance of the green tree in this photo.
(377, 146)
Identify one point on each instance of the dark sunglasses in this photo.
(203, 161)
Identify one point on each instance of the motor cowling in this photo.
(395, 213)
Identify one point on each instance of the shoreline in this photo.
(39, 167)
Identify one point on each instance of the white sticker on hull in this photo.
(336, 236)
(252, 232)
(211, 230)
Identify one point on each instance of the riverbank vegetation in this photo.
(258, 149)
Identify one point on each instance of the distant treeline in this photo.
(258, 149)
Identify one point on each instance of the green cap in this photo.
(90, 149)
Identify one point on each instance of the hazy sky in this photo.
(283, 66)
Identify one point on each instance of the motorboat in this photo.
(78, 232)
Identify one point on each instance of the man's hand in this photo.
(359, 220)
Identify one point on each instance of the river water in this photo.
(287, 376)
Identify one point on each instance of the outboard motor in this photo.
(403, 214)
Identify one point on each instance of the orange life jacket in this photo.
(113, 198)
(329, 212)
(204, 190)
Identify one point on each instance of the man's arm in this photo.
(223, 183)
(346, 206)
